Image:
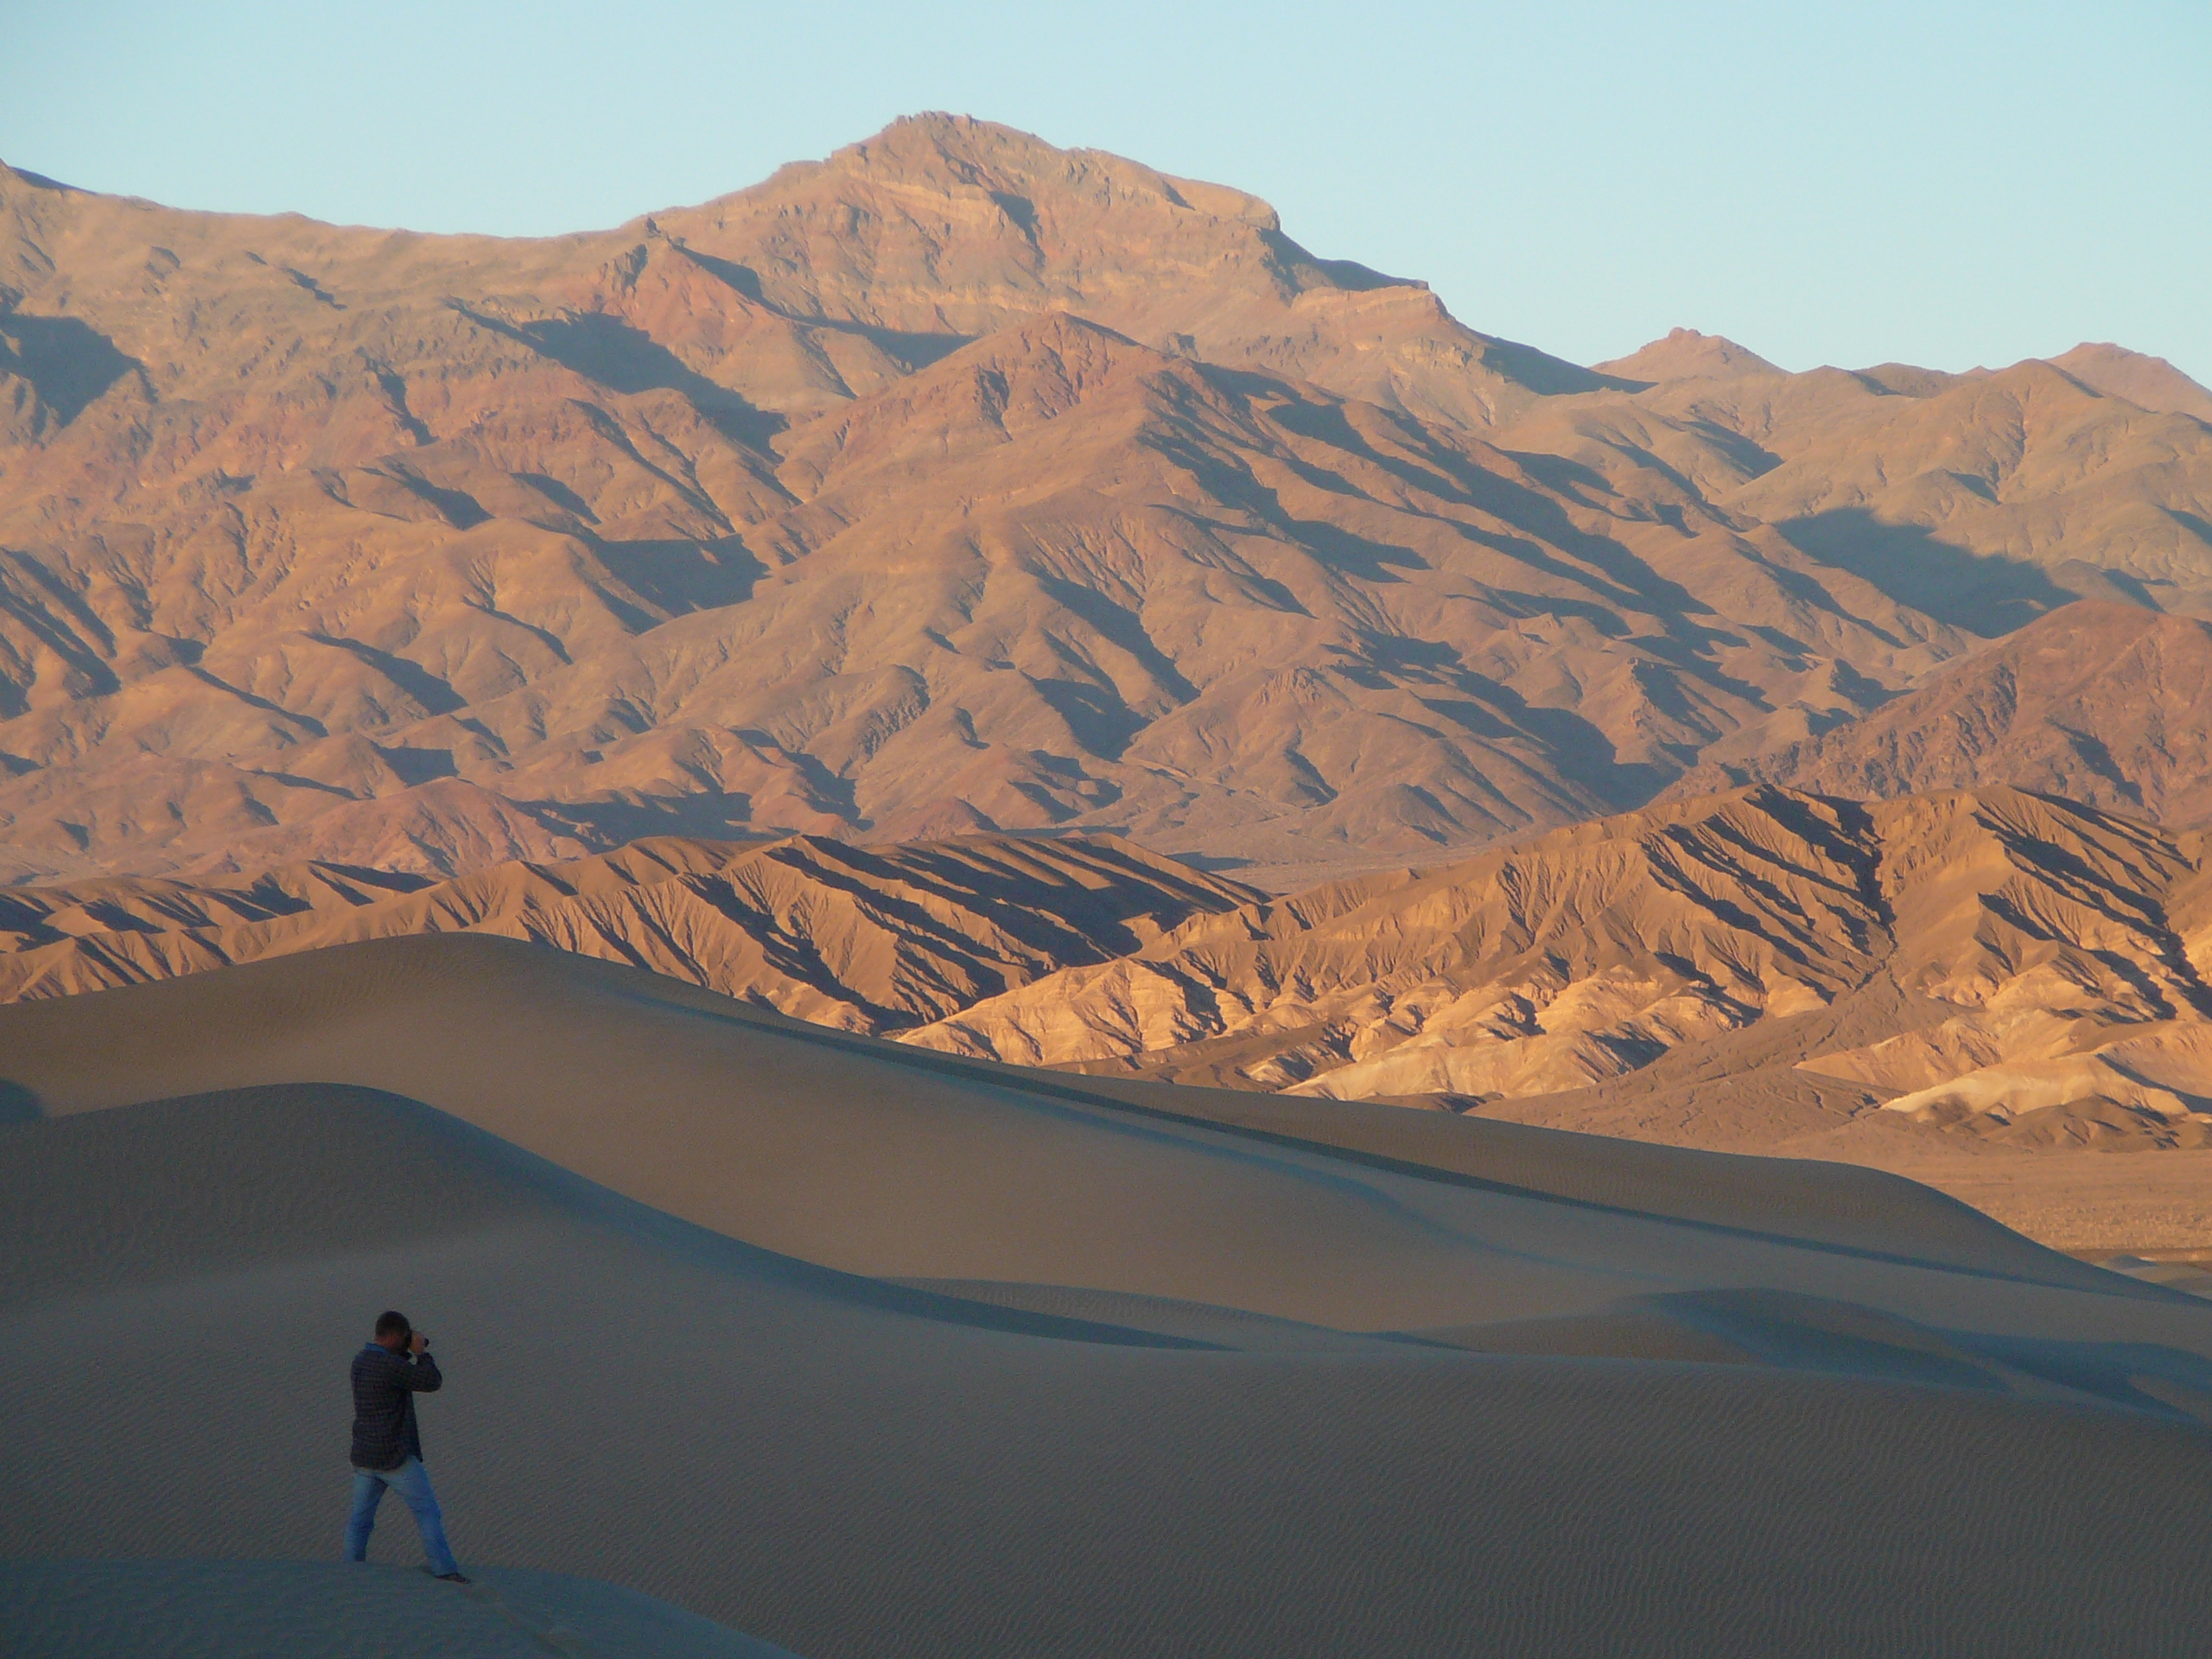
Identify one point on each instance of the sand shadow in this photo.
(1789, 1331)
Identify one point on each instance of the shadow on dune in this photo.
(17, 1104)
(260, 1175)
(1807, 1333)
(221, 1610)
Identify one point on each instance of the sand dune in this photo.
(864, 1156)
(862, 1349)
(207, 1610)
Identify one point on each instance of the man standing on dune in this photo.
(388, 1374)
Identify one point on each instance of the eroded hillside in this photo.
(956, 483)
(868, 940)
(2011, 966)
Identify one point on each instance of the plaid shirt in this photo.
(385, 1387)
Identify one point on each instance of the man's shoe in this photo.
(452, 1577)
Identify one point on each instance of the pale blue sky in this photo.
(1943, 184)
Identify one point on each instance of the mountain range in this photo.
(959, 485)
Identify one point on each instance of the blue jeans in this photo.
(412, 1482)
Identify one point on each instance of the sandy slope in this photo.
(209, 1610)
(913, 1356)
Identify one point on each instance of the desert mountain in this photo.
(2100, 703)
(862, 939)
(1686, 354)
(2149, 381)
(1992, 963)
(956, 483)
(1983, 500)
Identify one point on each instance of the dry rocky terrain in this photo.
(957, 483)
(1995, 964)
(868, 939)
(2100, 703)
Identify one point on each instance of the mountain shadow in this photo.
(68, 364)
(681, 576)
(628, 359)
(1985, 593)
(915, 351)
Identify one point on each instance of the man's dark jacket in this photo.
(385, 1387)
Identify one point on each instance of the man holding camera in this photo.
(388, 1374)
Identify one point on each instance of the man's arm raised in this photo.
(421, 1376)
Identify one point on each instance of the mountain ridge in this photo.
(1991, 963)
(873, 941)
(371, 546)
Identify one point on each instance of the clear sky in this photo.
(1945, 184)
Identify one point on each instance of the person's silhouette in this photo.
(388, 1374)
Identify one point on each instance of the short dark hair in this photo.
(391, 1324)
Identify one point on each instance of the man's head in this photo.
(393, 1330)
